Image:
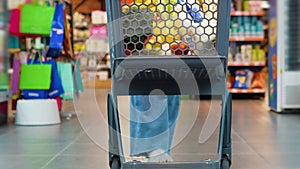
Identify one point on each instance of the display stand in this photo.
(4, 92)
(246, 54)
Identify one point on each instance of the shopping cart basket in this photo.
(168, 45)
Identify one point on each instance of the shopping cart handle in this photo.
(181, 75)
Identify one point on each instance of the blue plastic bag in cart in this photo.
(153, 120)
(194, 10)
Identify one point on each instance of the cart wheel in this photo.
(115, 164)
(225, 164)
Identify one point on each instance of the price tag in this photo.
(234, 90)
(241, 38)
(257, 91)
(238, 13)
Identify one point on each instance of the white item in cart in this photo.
(99, 17)
(200, 29)
(37, 112)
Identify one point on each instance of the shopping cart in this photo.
(168, 45)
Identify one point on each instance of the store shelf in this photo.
(247, 13)
(98, 84)
(80, 39)
(247, 91)
(16, 50)
(246, 39)
(247, 64)
(83, 27)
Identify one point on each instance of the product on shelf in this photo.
(258, 80)
(246, 54)
(80, 21)
(246, 79)
(246, 58)
(229, 80)
(240, 79)
(249, 79)
(99, 31)
(246, 26)
(180, 49)
(247, 5)
(92, 61)
(99, 17)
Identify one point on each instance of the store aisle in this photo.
(261, 140)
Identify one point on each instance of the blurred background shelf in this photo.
(247, 13)
(247, 64)
(98, 84)
(14, 50)
(251, 91)
(246, 39)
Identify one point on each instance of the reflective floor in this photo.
(261, 140)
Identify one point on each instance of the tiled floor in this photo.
(261, 139)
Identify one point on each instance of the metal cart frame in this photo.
(129, 77)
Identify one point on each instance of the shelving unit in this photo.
(246, 39)
(247, 64)
(92, 57)
(247, 13)
(258, 91)
(4, 91)
(247, 33)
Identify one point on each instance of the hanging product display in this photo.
(13, 4)
(41, 78)
(56, 88)
(66, 75)
(77, 78)
(36, 19)
(16, 76)
(57, 32)
(3, 81)
(35, 76)
(35, 94)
